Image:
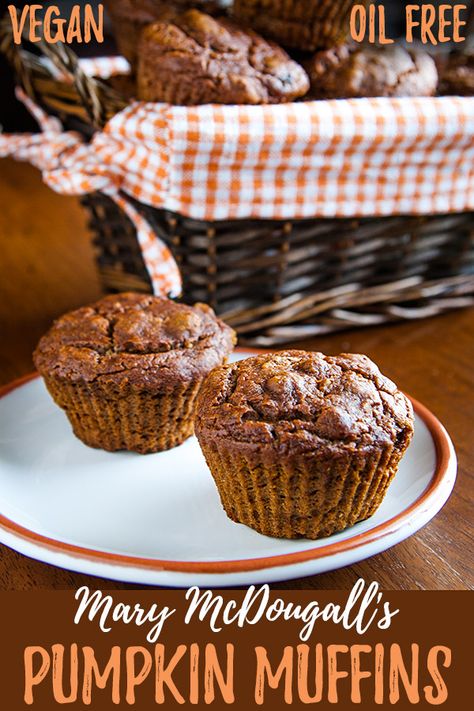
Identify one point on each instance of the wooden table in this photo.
(46, 268)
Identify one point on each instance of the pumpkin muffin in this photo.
(349, 71)
(130, 17)
(301, 24)
(457, 76)
(127, 369)
(302, 444)
(197, 59)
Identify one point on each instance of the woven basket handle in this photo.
(98, 99)
(87, 87)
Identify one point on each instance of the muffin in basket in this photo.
(351, 72)
(197, 59)
(302, 24)
(457, 75)
(127, 369)
(129, 17)
(302, 444)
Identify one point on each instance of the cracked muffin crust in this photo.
(130, 17)
(302, 444)
(351, 72)
(138, 340)
(301, 24)
(197, 59)
(127, 369)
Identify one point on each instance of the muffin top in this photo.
(457, 77)
(303, 401)
(351, 72)
(134, 339)
(216, 61)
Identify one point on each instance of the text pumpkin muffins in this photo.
(301, 444)
(128, 368)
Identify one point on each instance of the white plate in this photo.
(157, 519)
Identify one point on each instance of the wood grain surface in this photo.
(47, 267)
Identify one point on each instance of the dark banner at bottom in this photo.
(252, 648)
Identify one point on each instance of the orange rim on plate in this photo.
(443, 459)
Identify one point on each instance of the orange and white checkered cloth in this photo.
(363, 157)
(72, 167)
(347, 158)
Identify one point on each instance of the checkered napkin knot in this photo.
(72, 167)
(348, 158)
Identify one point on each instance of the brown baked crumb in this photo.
(197, 59)
(145, 341)
(302, 444)
(457, 76)
(300, 399)
(349, 71)
(129, 17)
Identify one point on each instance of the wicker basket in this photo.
(274, 281)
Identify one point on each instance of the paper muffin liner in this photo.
(302, 24)
(298, 498)
(169, 92)
(136, 422)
